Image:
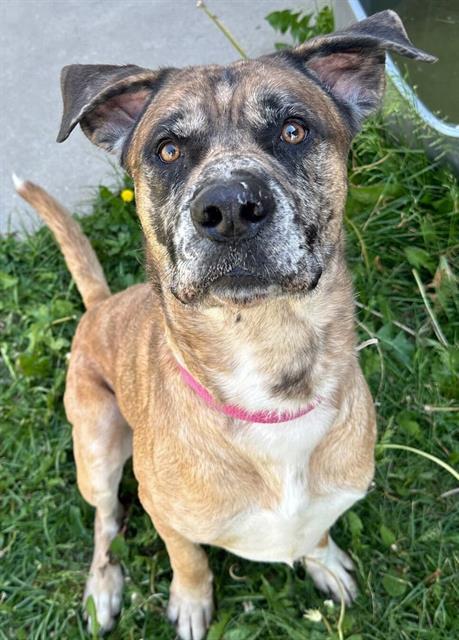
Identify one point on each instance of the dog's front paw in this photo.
(329, 568)
(105, 585)
(191, 614)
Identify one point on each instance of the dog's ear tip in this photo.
(428, 57)
(417, 54)
(65, 70)
(390, 19)
(387, 17)
(391, 14)
(64, 131)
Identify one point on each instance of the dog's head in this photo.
(240, 171)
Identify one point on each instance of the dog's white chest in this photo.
(294, 527)
(290, 531)
(276, 535)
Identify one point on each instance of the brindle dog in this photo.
(240, 180)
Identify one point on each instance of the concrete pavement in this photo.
(39, 37)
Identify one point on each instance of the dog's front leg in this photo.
(190, 605)
(102, 442)
(190, 601)
(330, 567)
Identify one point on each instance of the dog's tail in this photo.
(80, 257)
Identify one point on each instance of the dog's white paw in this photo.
(191, 615)
(332, 571)
(105, 585)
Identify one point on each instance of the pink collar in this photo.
(261, 417)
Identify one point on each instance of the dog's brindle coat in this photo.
(264, 321)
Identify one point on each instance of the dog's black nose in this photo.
(232, 210)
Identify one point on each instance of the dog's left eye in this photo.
(169, 151)
(293, 132)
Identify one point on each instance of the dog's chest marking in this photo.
(294, 527)
(290, 531)
(249, 385)
(246, 385)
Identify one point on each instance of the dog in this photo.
(231, 376)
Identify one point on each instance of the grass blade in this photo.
(419, 452)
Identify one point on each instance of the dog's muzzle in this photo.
(232, 210)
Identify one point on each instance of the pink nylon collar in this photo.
(260, 417)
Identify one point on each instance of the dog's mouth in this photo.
(239, 278)
(243, 287)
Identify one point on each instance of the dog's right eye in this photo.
(168, 151)
(293, 132)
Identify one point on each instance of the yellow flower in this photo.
(127, 195)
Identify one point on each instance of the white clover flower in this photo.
(248, 606)
(313, 615)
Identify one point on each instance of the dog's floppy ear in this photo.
(106, 100)
(350, 63)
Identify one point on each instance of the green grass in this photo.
(402, 215)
